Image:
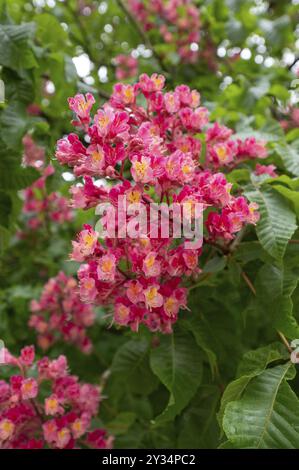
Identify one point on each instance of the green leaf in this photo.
(121, 424)
(50, 32)
(267, 416)
(277, 221)
(253, 363)
(177, 362)
(215, 264)
(290, 157)
(279, 91)
(287, 193)
(5, 209)
(15, 52)
(196, 324)
(13, 123)
(15, 178)
(275, 286)
(131, 365)
(198, 426)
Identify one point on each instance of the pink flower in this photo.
(86, 244)
(134, 291)
(152, 297)
(52, 406)
(63, 437)
(29, 389)
(33, 154)
(58, 368)
(141, 169)
(27, 356)
(154, 135)
(126, 66)
(172, 102)
(122, 312)
(106, 268)
(70, 150)
(123, 95)
(7, 428)
(82, 106)
(251, 148)
(266, 170)
(223, 153)
(24, 413)
(151, 84)
(194, 119)
(151, 266)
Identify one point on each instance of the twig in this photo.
(248, 282)
(141, 32)
(285, 341)
(85, 44)
(293, 63)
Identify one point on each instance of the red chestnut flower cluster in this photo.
(43, 406)
(178, 20)
(143, 144)
(41, 208)
(126, 66)
(60, 314)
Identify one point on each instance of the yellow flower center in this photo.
(123, 312)
(103, 121)
(169, 305)
(128, 94)
(89, 284)
(97, 156)
(151, 294)
(107, 265)
(83, 106)
(186, 169)
(150, 261)
(141, 168)
(52, 404)
(134, 196)
(221, 153)
(88, 240)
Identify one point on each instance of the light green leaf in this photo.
(253, 363)
(277, 222)
(267, 416)
(290, 157)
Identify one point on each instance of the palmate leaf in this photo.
(277, 221)
(177, 362)
(267, 415)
